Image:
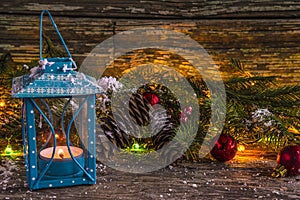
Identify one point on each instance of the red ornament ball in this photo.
(188, 110)
(183, 117)
(289, 157)
(152, 98)
(224, 148)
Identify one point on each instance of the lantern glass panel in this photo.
(59, 141)
(53, 109)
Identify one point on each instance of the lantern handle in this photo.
(57, 31)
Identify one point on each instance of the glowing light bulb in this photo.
(241, 148)
(136, 146)
(2, 103)
(8, 150)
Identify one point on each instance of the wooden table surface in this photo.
(247, 176)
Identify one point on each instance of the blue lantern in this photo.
(58, 121)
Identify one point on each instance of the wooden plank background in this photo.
(263, 34)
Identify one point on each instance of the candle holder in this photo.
(62, 160)
(58, 122)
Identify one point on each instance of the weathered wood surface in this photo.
(263, 34)
(158, 8)
(268, 47)
(247, 176)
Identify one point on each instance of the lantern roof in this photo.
(54, 79)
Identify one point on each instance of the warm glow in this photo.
(56, 136)
(293, 130)
(241, 148)
(61, 153)
(2, 103)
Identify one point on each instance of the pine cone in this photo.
(139, 109)
(124, 130)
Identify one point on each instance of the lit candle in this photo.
(61, 152)
(63, 164)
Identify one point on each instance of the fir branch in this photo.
(237, 65)
(4, 59)
(245, 93)
(51, 50)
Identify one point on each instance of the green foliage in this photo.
(259, 109)
(50, 50)
(10, 119)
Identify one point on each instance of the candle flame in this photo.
(61, 153)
